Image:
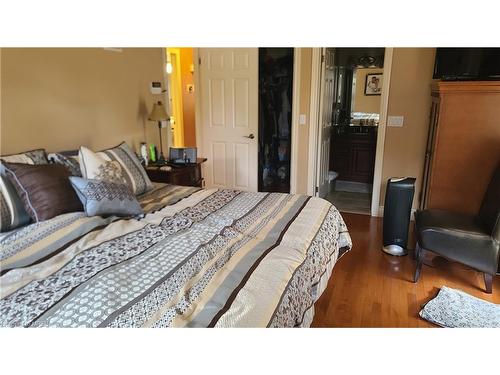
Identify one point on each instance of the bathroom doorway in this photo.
(181, 105)
(358, 83)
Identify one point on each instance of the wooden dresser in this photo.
(463, 145)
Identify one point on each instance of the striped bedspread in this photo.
(197, 258)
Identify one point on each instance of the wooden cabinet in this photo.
(353, 156)
(184, 175)
(463, 146)
(429, 150)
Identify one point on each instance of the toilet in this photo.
(332, 176)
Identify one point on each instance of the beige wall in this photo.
(63, 98)
(60, 99)
(409, 96)
(362, 102)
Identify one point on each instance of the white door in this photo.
(326, 119)
(229, 113)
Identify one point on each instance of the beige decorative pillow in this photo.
(96, 167)
(110, 171)
(104, 165)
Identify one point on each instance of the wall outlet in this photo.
(396, 121)
(302, 119)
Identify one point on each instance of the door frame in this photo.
(297, 58)
(296, 83)
(314, 120)
(379, 154)
(167, 99)
(197, 102)
(315, 124)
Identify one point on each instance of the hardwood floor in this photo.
(369, 288)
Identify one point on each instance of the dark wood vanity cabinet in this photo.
(353, 156)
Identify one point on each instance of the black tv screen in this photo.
(467, 64)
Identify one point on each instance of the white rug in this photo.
(456, 309)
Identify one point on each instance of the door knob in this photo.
(250, 136)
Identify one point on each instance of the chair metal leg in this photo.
(417, 251)
(488, 282)
(420, 261)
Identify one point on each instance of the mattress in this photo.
(196, 258)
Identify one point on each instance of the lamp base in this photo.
(161, 159)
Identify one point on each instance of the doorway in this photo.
(229, 114)
(352, 165)
(275, 118)
(181, 89)
(227, 117)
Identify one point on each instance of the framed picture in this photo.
(373, 84)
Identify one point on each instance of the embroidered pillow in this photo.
(34, 157)
(103, 198)
(12, 212)
(45, 190)
(92, 165)
(70, 161)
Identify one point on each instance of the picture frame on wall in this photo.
(373, 84)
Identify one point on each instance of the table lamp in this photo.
(159, 114)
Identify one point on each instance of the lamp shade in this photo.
(158, 113)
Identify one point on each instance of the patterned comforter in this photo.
(197, 258)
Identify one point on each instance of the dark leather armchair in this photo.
(470, 240)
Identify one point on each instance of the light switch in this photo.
(395, 121)
(302, 119)
(156, 88)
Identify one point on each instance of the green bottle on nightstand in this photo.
(152, 152)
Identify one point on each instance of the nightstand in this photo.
(178, 174)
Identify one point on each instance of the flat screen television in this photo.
(462, 64)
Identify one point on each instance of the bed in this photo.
(196, 258)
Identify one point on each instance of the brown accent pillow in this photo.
(45, 190)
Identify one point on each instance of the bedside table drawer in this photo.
(184, 175)
(158, 175)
